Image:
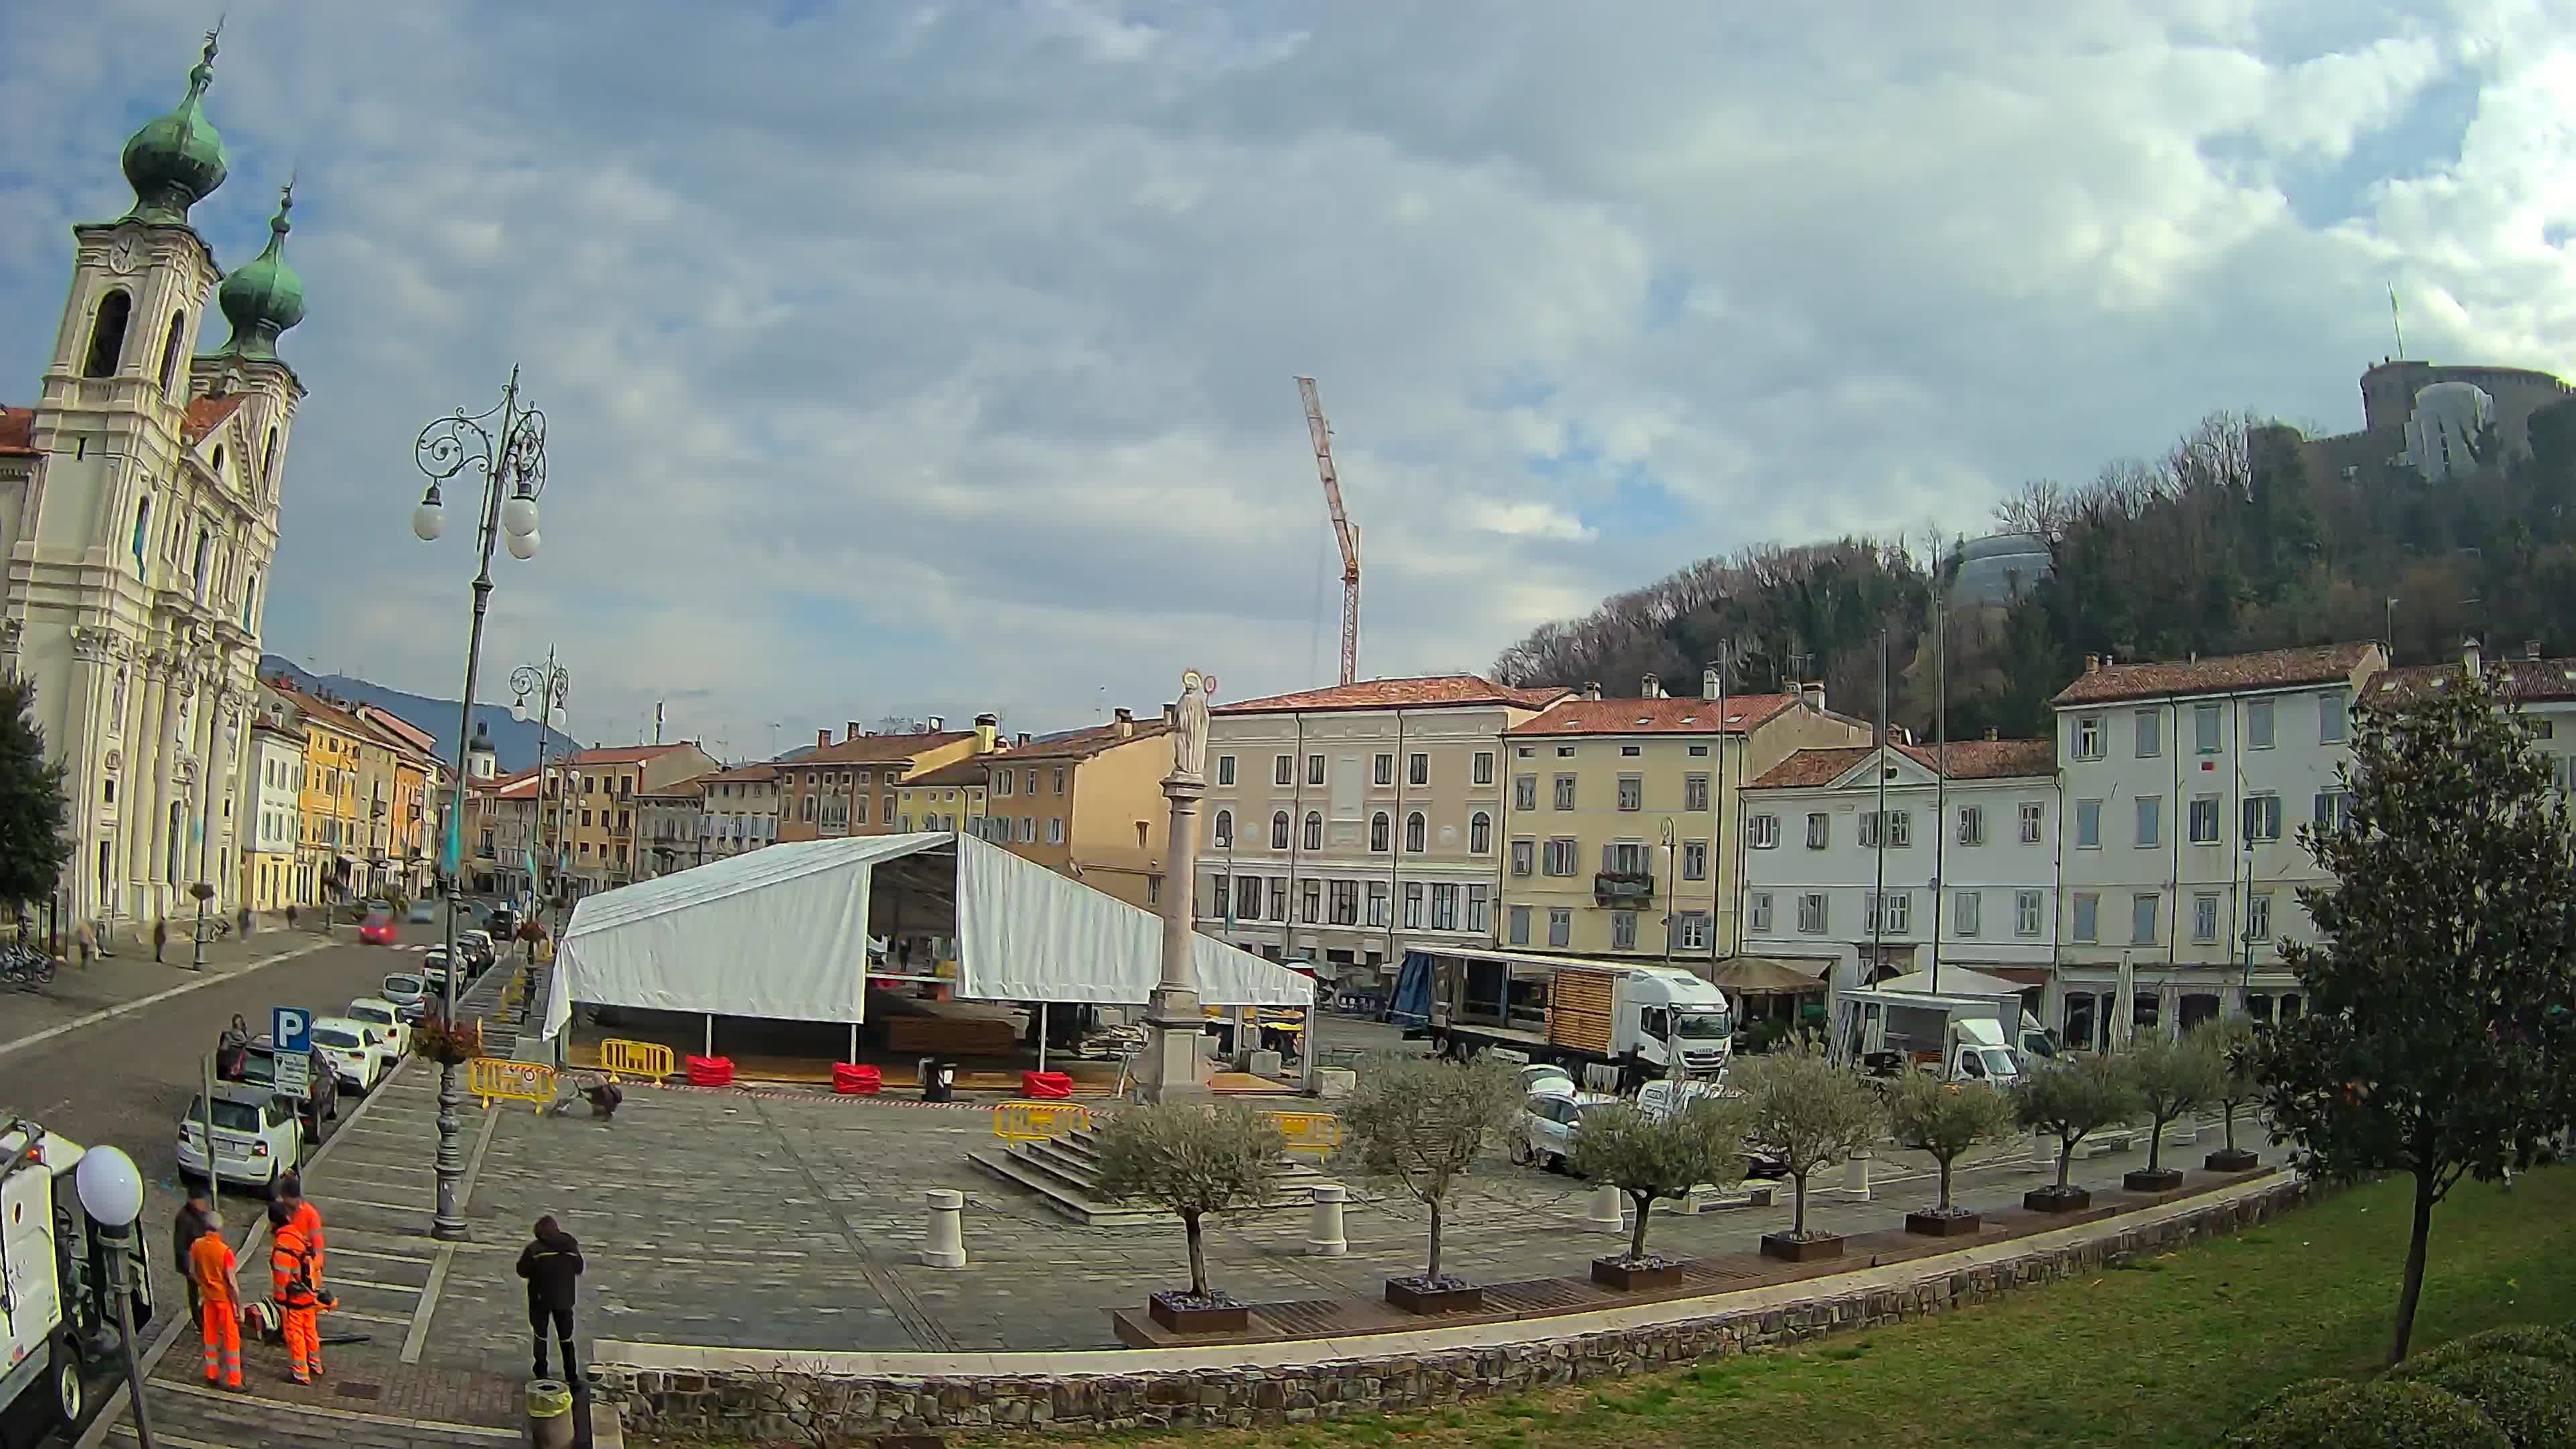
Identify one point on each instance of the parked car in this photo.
(1546, 1136)
(422, 913)
(477, 949)
(360, 1054)
(408, 993)
(1547, 1079)
(257, 1136)
(321, 1104)
(503, 923)
(377, 929)
(386, 1018)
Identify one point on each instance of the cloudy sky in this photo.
(927, 358)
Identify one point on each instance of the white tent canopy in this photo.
(1955, 981)
(783, 933)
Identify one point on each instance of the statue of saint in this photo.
(1189, 736)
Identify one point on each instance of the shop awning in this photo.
(1768, 975)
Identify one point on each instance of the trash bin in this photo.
(549, 1414)
(938, 1080)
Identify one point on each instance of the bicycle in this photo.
(24, 966)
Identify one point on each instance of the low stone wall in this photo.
(746, 1393)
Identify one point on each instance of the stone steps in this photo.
(1064, 1174)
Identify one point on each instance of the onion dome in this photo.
(263, 297)
(176, 160)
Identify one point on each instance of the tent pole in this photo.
(854, 1043)
(1042, 1035)
(711, 1035)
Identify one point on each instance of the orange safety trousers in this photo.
(303, 1341)
(290, 1269)
(219, 1319)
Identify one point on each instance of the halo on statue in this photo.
(1189, 680)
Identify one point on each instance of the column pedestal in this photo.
(1174, 1064)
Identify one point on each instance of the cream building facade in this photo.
(741, 806)
(138, 512)
(273, 814)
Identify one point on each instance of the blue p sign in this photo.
(291, 1027)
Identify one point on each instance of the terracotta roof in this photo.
(742, 774)
(1655, 716)
(1431, 691)
(1083, 744)
(975, 771)
(2271, 669)
(876, 749)
(17, 432)
(420, 739)
(2528, 680)
(688, 789)
(625, 754)
(329, 714)
(205, 414)
(1969, 760)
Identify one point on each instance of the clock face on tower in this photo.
(124, 254)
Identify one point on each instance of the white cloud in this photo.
(937, 357)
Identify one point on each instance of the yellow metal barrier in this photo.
(1316, 1132)
(637, 1058)
(491, 1079)
(1038, 1121)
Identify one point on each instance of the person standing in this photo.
(290, 915)
(215, 1275)
(85, 941)
(307, 1219)
(550, 1263)
(184, 1232)
(160, 938)
(293, 1289)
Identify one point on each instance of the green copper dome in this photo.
(263, 297)
(176, 160)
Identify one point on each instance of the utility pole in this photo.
(1878, 825)
(1941, 774)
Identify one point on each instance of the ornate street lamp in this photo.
(111, 1192)
(551, 687)
(507, 446)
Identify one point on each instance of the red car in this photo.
(377, 929)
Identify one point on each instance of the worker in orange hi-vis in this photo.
(216, 1275)
(298, 1297)
(307, 1219)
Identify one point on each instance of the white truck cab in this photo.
(1960, 1038)
(55, 1267)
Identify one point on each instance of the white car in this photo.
(1546, 1136)
(408, 993)
(257, 1135)
(359, 1054)
(1547, 1080)
(386, 1018)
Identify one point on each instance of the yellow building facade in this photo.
(331, 852)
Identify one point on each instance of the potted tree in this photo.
(1191, 1161)
(2237, 1089)
(2070, 1103)
(1658, 1155)
(1418, 1124)
(1945, 1119)
(1808, 1114)
(2169, 1078)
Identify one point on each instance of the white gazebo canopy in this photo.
(1955, 981)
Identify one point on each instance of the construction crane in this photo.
(1345, 532)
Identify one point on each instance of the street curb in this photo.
(154, 999)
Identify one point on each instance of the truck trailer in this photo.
(1630, 1018)
(1956, 1037)
(56, 1268)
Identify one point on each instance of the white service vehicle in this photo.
(360, 1054)
(56, 1307)
(1957, 1038)
(386, 1018)
(1640, 1021)
(258, 1136)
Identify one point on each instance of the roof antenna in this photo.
(2397, 320)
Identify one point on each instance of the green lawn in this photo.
(2164, 1352)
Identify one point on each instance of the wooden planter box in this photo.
(1627, 1278)
(1190, 1318)
(1413, 1298)
(2162, 1179)
(1944, 1225)
(2057, 1200)
(2231, 1159)
(1800, 1250)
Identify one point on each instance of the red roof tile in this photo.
(206, 414)
(1083, 744)
(1434, 691)
(17, 433)
(876, 749)
(744, 774)
(1969, 760)
(1741, 712)
(974, 771)
(2528, 680)
(2270, 669)
(624, 754)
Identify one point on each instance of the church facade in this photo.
(139, 503)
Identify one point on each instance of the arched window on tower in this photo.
(107, 334)
(198, 562)
(142, 535)
(268, 462)
(170, 350)
(219, 462)
(250, 602)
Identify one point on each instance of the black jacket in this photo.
(191, 1225)
(550, 1264)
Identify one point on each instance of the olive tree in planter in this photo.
(1650, 1155)
(1418, 1125)
(2070, 1102)
(1191, 1160)
(1945, 1119)
(2169, 1078)
(1809, 1113)
(2238, 1088)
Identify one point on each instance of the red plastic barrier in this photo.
(850, 1079)
(1045, 1085)
(710, 1071)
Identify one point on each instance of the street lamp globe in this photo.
(111, 1191)
(429, 520)
(523, 545)
(519, 516)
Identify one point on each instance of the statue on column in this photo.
(1190, 732)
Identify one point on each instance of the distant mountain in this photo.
(514, 741)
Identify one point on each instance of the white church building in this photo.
(138, 513)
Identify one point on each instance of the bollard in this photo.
(2187, 1130)
(1856, 1177)
(549, 1414)
(945, 1247)
(1324, 1234)
(1608, 1210)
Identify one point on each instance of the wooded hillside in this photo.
(2222, 545)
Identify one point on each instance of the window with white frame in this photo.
(1964, 909)
(1565, 792)
(2258, 917)
(2334, 715)
(1623, 930)
(2333, 810)
(1483, 770)
(1377, 903)
(1820, 830)
(1382, 769)
(1225, 769)
(2204, 820)
(1444, 906)
(1762, 832)
(2204, 728)
(1314, 833)
(1283, 771)
(2150, 733)
(1279, 898)
(1480, 833)
(2151, 820)
(1632, 792)
(2258, 724)
(1417, 833)
(2262, 817)
(1694, 792)
(1524, 856)
(2034, 820)
(1757, 910)
(2142, 918)
(1346, 903)
(1972, 825)
(2088, 737)
(1055, 830)
(1525, 792)
(2204, 916)
(1247, 898)
(1279, 830)
(1560, 926)
(1380, 838)
(1560, 857)
(1694, 860)
(2027, 909)
(2088, 918)
(1310, 902)
(1517, 926)
(1314, 769)
(1413, 905)
(1479, 904)
(2088, 824)
(1813, 916)
(1417, 769)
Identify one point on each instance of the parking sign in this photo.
(291, 1028)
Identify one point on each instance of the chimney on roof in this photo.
(1711, 686)
(2530, 648)
(936, 724)
(1023, 740)
(2092, 663)
(823, 738)
(1126, 723)
(1813, 695)
(1172, 716)
(1990, 732)
(1652, 687)
(1592, 689)
(2469, 655)
(852, 728)
(988, 727)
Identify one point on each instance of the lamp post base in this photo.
(1172, 1066)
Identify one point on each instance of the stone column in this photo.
(1172, 1066)
(142, 808)
(1324, 1238)
(1856, 1177)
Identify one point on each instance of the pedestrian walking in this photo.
(216, 1275)
(160, 938)
(85, 941)
(290, 915)
(244, 922)
(550, 1263)
(189, 1226)
(293, 1288)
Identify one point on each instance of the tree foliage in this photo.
(2071, 1101)
(1190, 1160)
(2234, 1044)
(1810, 1112)
(2435, 1041)
(1419, 1124)
(1650, 1155)
(1945, 1119)
(2382, 1413)
(2171, 1077)
(35, 835)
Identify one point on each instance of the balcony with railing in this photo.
(1624, 889)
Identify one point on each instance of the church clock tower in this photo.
(138, 514)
